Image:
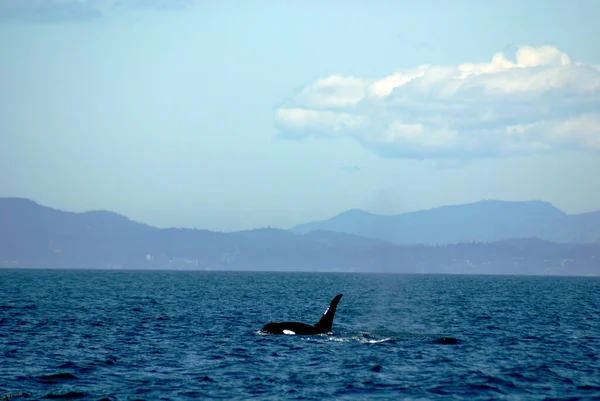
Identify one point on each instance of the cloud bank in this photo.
(59, 11)
(539, 102)
(44, 11)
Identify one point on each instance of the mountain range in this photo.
(35, 236)
(480, 221)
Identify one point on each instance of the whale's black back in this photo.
(324, 325)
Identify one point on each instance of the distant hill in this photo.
(35, 236)
(480, 221)
(32, 235)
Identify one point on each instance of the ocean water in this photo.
(149, 335)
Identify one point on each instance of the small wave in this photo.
(11, 396)
(110, 360)
(11, 353)
(341, 340)
(56, 378)
(446, 341)
(374, 341)
(71, 395)
(484, 387)
(67, 365)
(588, 387)
(360, 339)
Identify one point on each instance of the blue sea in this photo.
(172, 335)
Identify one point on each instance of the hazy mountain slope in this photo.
(479, 221)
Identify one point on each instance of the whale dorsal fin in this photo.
(324, 325)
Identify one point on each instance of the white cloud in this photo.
(326, 122)
(335, 91)
(540, 102)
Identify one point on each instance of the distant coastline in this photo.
(35, 236)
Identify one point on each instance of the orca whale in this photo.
(322, 326)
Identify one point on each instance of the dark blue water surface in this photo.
(192, 335)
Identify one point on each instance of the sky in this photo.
(230, 115)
